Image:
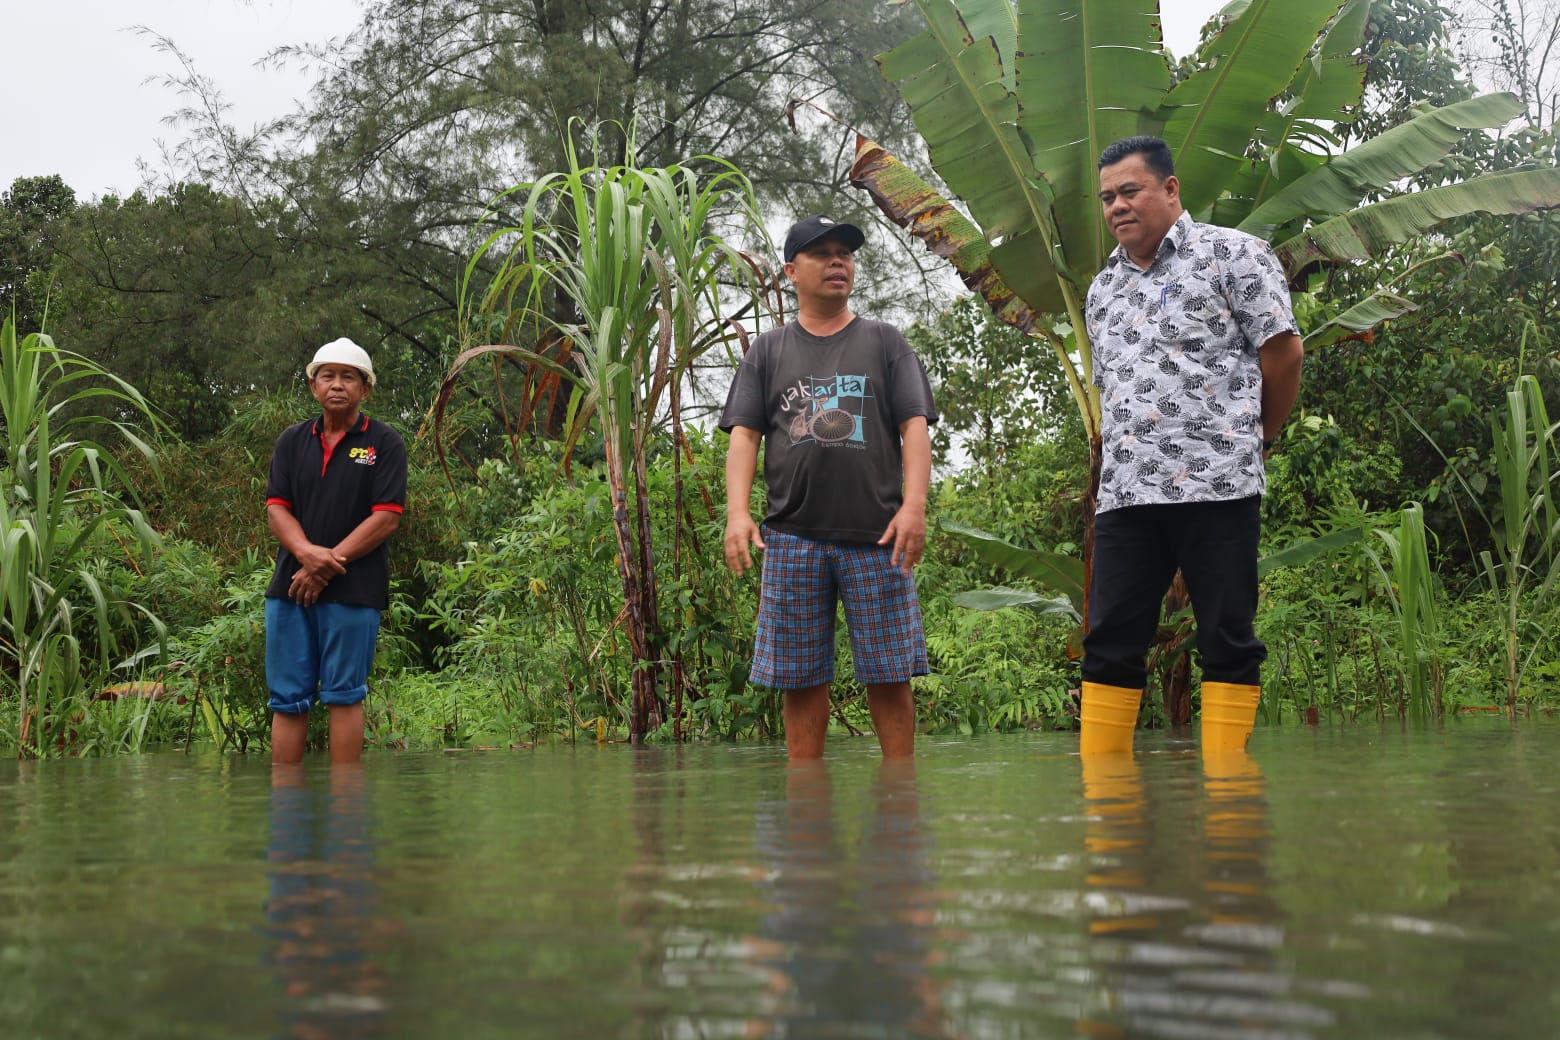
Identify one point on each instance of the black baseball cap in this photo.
(805, 232)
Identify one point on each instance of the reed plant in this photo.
(612, 280)
(1526, 561)
(62, 490)
(1520, 573)
(1410, 586)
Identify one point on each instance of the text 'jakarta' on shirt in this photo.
(1176, 357)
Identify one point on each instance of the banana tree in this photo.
(1016, 99)
(612, 282)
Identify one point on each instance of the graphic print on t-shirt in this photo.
(827, 410)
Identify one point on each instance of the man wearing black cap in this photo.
(842, 406)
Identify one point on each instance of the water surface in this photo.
(1355, 883)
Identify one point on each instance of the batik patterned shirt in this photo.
(1176, 360)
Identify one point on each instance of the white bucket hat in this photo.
(342, 352)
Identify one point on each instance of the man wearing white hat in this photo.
(336, 491)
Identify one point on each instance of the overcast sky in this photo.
(86, 97)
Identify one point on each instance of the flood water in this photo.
(1360, 882)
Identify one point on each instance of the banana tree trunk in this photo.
(1176, 679)
(1091, 500)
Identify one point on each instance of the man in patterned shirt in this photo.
(1197, 358)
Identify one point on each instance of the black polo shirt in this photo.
(332, 490)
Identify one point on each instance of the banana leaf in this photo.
(1339, 185)
(1059, 573)
(1209, 116)
(1002, 598)
(1088, 75)
(915, 205)
(1371, 229)
(955, 85)
(1305, 551)
(1376, 308)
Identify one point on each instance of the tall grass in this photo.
(1410, 585)
(59, 490)
(1526, 561)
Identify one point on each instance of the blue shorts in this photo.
(804, 579)
(322, 652)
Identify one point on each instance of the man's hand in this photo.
(741, 532)
(907, 532)
(306, 588)
(320, 562)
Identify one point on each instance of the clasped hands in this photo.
(318, 565)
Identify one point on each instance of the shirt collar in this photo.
(361, 426)
(1179, 231)
(1173, 239)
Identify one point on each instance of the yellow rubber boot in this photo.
(1108, 718)
(1229, 710)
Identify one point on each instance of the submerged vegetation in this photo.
(552, 353)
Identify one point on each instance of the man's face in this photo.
(824, 271)
(1139, 207)
(339, 388)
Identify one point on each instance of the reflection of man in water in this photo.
(847, 944)
(323, 907)
(1178, 956)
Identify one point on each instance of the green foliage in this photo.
(60, 489)
(199, 297)
(1527, 557)
(530, 620)
(1016, 104)
(995, 386)
(994, 672)
(436, 105)
(220, 664)
(1329, 632)
(31, 212)
(1056, 571)
(1410, 586)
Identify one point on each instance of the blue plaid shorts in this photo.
(804, 579)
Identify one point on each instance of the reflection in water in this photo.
(846, 943)
(324, 907)
(1209, 965)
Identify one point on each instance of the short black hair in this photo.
(1156, 154)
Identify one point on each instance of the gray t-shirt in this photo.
(1176, 358)
(829, 408)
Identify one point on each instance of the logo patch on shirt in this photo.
(362, 456)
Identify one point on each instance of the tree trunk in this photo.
(643, 686)
(1091, 499)
(648, 708)
(1176, 677)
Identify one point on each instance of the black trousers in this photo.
(1136, 552)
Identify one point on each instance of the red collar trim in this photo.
(327, 449)
(362, 427)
